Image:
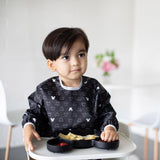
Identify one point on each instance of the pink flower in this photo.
(108, 66)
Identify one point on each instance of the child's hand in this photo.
(29, 134)
(109, 134)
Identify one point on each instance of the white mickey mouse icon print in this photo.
(85, 82)
(54, 80)
(88, 119)
(87, 98)
(53, 97)
(70, 109)
(52, 119)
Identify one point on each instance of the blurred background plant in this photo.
(107, 62)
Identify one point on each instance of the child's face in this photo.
(72, 66)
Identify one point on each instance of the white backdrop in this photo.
(146, 66)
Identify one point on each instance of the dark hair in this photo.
(61, 37)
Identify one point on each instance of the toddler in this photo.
(69, 102)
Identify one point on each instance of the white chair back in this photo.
(3, 106)
(124, 129)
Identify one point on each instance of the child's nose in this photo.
(75, 61)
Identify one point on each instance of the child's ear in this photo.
(51, 65)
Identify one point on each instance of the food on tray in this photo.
(90, 136)
(62, 144)
(72, 136)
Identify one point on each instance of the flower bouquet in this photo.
(107, 62)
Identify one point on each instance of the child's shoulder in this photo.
(48, 82)
(92, 82)
(90, 79)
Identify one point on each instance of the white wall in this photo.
(25, 23)
(146, 42)
(146, 56)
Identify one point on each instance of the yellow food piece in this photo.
(72, 136)
(89, 137)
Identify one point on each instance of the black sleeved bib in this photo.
(54, 109)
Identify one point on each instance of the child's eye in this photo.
(65, 57)
(81, 55)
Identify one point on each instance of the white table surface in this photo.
(125, 148)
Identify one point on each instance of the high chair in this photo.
(149, 121)
(10, 118)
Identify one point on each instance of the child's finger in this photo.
(117, 137)
(107, 136)
(37, 136)
(102, 135)
(114, 138)
(26, 148)
(30, 145)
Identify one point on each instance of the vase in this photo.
(107, 80)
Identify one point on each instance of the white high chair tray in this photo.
(125, 148)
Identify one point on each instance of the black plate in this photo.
(106, 145)
(52, 146)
